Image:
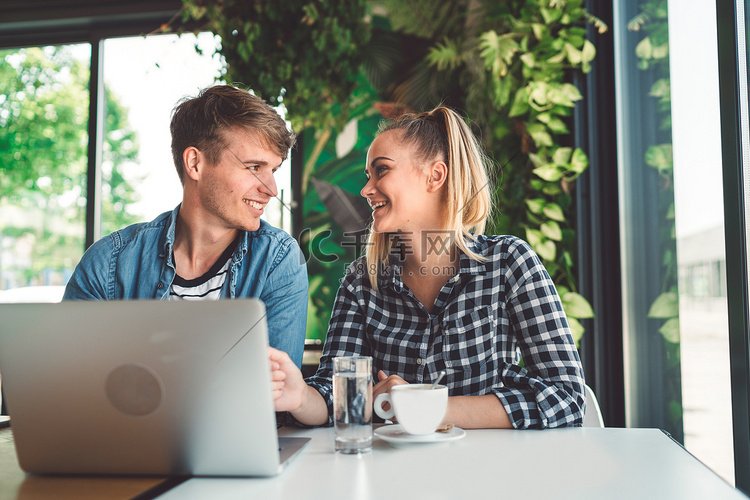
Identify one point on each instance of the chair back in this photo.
(593, 415)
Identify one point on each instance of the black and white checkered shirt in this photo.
(485, 319)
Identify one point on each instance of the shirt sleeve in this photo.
(285, 297)
(89, 279)
(548, 391)
(345, 337)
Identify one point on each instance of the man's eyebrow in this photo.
(255, 162)
(260, 163)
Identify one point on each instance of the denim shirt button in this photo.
(159, 286)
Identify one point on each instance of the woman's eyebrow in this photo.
(373, 162)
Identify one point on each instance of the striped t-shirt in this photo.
(208, 286)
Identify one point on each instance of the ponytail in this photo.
(443, 134)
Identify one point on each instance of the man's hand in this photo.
(288, 386)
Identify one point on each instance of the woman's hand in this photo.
(385, 383)
(287, 385)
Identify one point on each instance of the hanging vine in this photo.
(303, 54)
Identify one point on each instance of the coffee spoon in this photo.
(438, 379)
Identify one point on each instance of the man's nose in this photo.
(268, 185)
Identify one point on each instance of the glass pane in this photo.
(145, 78)
(674, 282)
(704, 332)
(44, 102)
(649, 265)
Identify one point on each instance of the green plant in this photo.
(304, 54)
(509, 65)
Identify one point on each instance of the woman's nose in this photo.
(368, 190)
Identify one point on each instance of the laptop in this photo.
(142, 387)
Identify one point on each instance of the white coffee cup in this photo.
(418, 408)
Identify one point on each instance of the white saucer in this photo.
(395, 434)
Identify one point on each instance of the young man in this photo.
(226, 145)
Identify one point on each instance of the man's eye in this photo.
(253, 168)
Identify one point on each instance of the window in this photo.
(44, 113)
(672, 226)
(44, 102)
(148, 76)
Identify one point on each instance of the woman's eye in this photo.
(380, 169)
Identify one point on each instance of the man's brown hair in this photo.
(201, 122)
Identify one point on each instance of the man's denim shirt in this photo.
(137, 263)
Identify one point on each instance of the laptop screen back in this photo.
(140, 387)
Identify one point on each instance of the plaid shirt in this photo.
(485, 319)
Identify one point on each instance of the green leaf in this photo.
(538, 93)
(536, 205)
(549, 172)
(497, 51)
(576, 305)
(568, 259)
(539, 30)
(670, 330)
(558, 58)
(528, 59)
(534, 237)
(574, 55)
(520, 103)
(571, 93)
(562, 156)
(546, 250)
(661, 51)
(551, 230)
(557, 126)
(536, 160)
(579, 161)
(661, 89)
(589, 52)
(644, 50)
(659, 157)
(446, 55)
(576, 329)
(553, 211)
(666, 305)
(539, 134)
(550, 15)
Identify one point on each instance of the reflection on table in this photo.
(16, 484)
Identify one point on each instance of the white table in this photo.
(576, 463)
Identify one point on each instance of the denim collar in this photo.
(167, 244)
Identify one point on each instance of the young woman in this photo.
(432, 293)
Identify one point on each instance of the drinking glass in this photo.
(352, 403)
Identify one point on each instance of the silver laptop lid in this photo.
(140, 387)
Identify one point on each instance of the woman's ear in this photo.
(438, 174)
(191, 160)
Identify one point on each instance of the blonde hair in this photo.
(442, 133)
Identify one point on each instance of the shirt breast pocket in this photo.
(470, 342)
